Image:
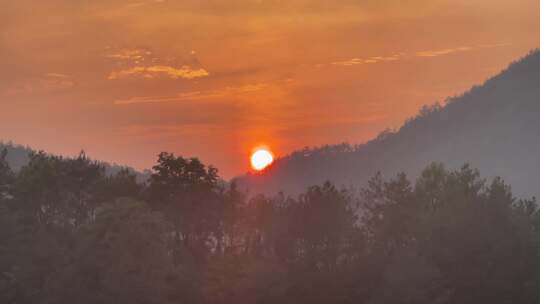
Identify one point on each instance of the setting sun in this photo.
(261, 159)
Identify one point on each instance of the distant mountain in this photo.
(18, 156)
(494, 127)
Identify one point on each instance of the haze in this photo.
(124, 80)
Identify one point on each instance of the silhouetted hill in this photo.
(17, 157)
(495, 127)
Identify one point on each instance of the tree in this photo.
(230, 211)
(122, 184)
(123, 257)
(325, 225)
(12, 240)
(187, 192)
(58, 191)
(70, 233)
(452, 238)
(7, 177)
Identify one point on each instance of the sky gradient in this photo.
(125, 80)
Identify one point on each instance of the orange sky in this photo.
(124, 80)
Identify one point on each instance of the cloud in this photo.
(155, 71)
(147, 64)
(142, 3)
(375, 59)
(50, 82)
(400, 56)
(56, 75)
(129, 54)
(436, 53)
(194, 95)
(158, 99)
(171, 131)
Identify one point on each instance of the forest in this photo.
(72, 233)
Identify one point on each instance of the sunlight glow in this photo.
(261, 159)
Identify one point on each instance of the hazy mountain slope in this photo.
(494, 127)
(17, 157)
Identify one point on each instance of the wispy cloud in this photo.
(443, 52)
(56, 75)
(194, 95)
(402, 56)
(436, 53)
(144, 63)
(138, 4)
(50, 82)
(172, 131)
(374, 59)
(155, 71)
(158, 99)
(129, 54)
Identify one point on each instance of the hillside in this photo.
(494, 127)
(17, 157)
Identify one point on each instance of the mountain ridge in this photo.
(18, 156)
(491, 127)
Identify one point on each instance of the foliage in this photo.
(70, 233)
(123, 257)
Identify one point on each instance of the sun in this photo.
(261, 159)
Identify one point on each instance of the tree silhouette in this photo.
(70, 232)
(186, 191)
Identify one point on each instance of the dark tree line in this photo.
(71, 233)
